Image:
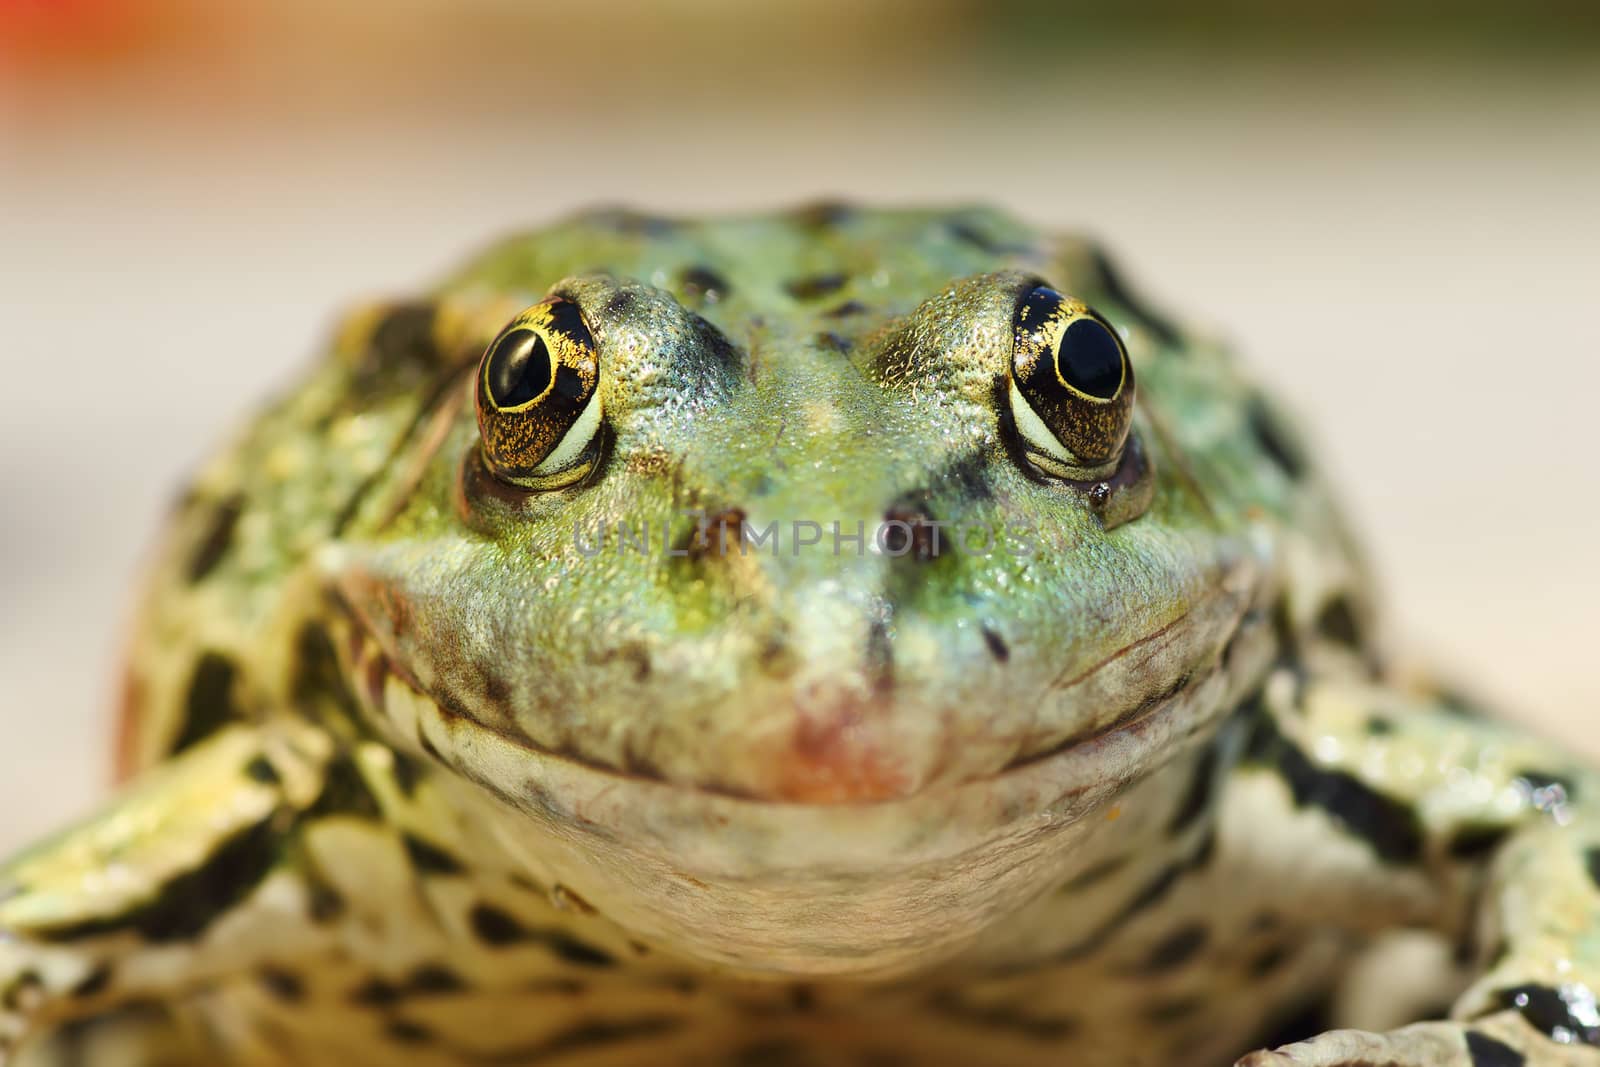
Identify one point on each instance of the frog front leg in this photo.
(191, 875)
(1449, 820)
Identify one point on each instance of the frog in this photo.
(840, 635)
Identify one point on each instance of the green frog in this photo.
(838, 636)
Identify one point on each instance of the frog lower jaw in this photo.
(824, 727)
(766, 886)
(416, 718)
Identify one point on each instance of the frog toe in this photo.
(1503, 1040)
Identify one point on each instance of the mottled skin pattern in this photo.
(427, 771)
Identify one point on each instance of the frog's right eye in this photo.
(1071, 386)
(538, 406)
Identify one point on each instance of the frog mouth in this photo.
(421, 719)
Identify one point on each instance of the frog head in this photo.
(802, 514)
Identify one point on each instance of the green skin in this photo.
(425, 773)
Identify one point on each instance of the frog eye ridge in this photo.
(538, 406)
(1072, 386)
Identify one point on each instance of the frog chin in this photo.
(778, 887)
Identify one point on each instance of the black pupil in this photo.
(1090, 359)
(519, 368)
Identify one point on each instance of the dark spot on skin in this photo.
(406, 774)
(218, 537)
(430, 858)
(1307, 1022)
(1274, 441)
(815, 286)
(633, 653)
(879, 655)
(496, 690)
(1439, 1009)
(375, 993)
(1390, 827)
(1268, 960)
(1378, 726)
(1547, 1010)
(285, 985)
(189, 902)
(577, 952)
(1111, 283)
(824, 214)
(433, 979)
(1461, 705)
(319, 689)
(375, 677)
(621, 303)
(1171, 1009)
(967, 477)
(631, 222)
(1487, 1052)
(1591, 860)
(834, 342)
(1477, 842)
(261, 770)
(1176, 949)
(498, 928)
(402, 337)
(495, 927)
(1095, 874)
(595, 1034)
(803, 999)
(344, 792)
(776, 657)
(1338, 622)
(1153, 891)
(210, 704)
(323, 903)
(703, 283)
(1198, 797)
(969, 232)
(21, 990)
(772, 1052)
(566, 987)
(97, 982)
(718, 536)
(408, 1033)
(1002, 1017)
(439, 387)
(1467, 947)
(845, 310)
(1540, 781)
(996, 644)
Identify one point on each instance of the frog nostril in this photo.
(717, 535)
(910, 532)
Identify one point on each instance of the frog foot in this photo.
(1500, 1040)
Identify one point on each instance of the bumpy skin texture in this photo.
(429, 768)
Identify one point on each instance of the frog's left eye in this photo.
(538, 408)
(1071, 386)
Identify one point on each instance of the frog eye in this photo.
(1071, 386)
(538, 411)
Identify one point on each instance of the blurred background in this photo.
(1396, 214)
